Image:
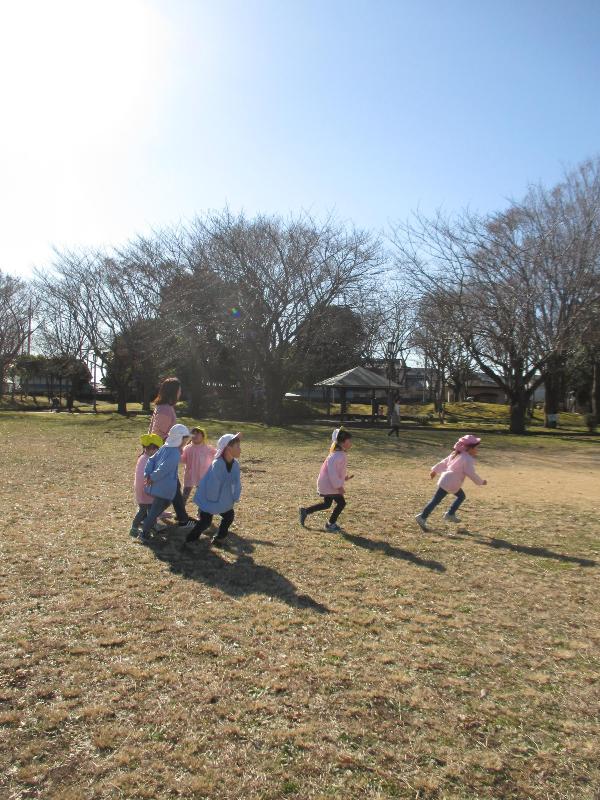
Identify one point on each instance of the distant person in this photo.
(55, 404)
(457, 466)
(197, 457)
(163, 419)
(331, 480)
(151, 442)
(219, 490)
(395, 419)
(161, 481)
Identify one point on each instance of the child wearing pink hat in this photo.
(453, 470)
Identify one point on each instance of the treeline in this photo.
(243, 310)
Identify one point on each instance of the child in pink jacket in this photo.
(460, 464)
(330, 483)
(197, 457)
(150, 443)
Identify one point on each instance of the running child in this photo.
(457, 466)
(161, 478)
(197, 456)
(330, 483)
(219, 490)
(150, 442)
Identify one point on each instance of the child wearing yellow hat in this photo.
(150, 442)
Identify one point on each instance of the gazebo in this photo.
(361, 379)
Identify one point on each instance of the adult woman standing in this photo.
(164, 416)
(163, 419)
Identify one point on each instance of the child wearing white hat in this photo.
(219, 490)
(332, 478)
(162, 482)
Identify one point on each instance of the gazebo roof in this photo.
(359, 378)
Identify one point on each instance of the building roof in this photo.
(359, 378)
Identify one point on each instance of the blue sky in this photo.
(124, 115)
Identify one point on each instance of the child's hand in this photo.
(484, 483)
(431, 475)
(349, 477)
(147, 482)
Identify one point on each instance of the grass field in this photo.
(376, 663)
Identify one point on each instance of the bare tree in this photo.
(15, 321)
(515, 284)
(277, 273)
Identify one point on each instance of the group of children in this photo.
(214, 474)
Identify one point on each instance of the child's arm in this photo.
(470, 473)
(440, 467)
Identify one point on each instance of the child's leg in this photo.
(179, 506)
(435, 501)
(226, 520)
(327, 501)
(141, 515)
(340, 505)
(187, 490)
(460, 497)
(203, 523)
(158, 506)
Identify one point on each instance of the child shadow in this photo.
(393, 552)
(238, 578)
(542, 552)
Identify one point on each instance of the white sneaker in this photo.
(451, 517)
(422, 523)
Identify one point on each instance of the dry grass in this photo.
(297, 664)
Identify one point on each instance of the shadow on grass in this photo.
(241, 577)
(542, 552)
(393, 552)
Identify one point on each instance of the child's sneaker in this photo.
(332, 527)
(451, 517)
(303, 515)
(421, 522)
(135, 532)
(145, 537)
(186, 525)
(218, 541)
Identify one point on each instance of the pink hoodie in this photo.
(453, 472)
(197, 459)
(333, 474)
(138, 482)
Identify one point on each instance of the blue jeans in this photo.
(437, 499)
(158, 506)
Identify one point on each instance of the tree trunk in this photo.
(273, 412)
(147, 386)
(553, 383)
(518, 409)
(595, 392)
(122, 400)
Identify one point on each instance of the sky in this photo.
(123, 116)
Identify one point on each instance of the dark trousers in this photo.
(179, 505)
(395, 429)
(328, 499)
(437, 499)
(141, 515)
(204, 521)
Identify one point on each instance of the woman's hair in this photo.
(339, 439)
(167, 392)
